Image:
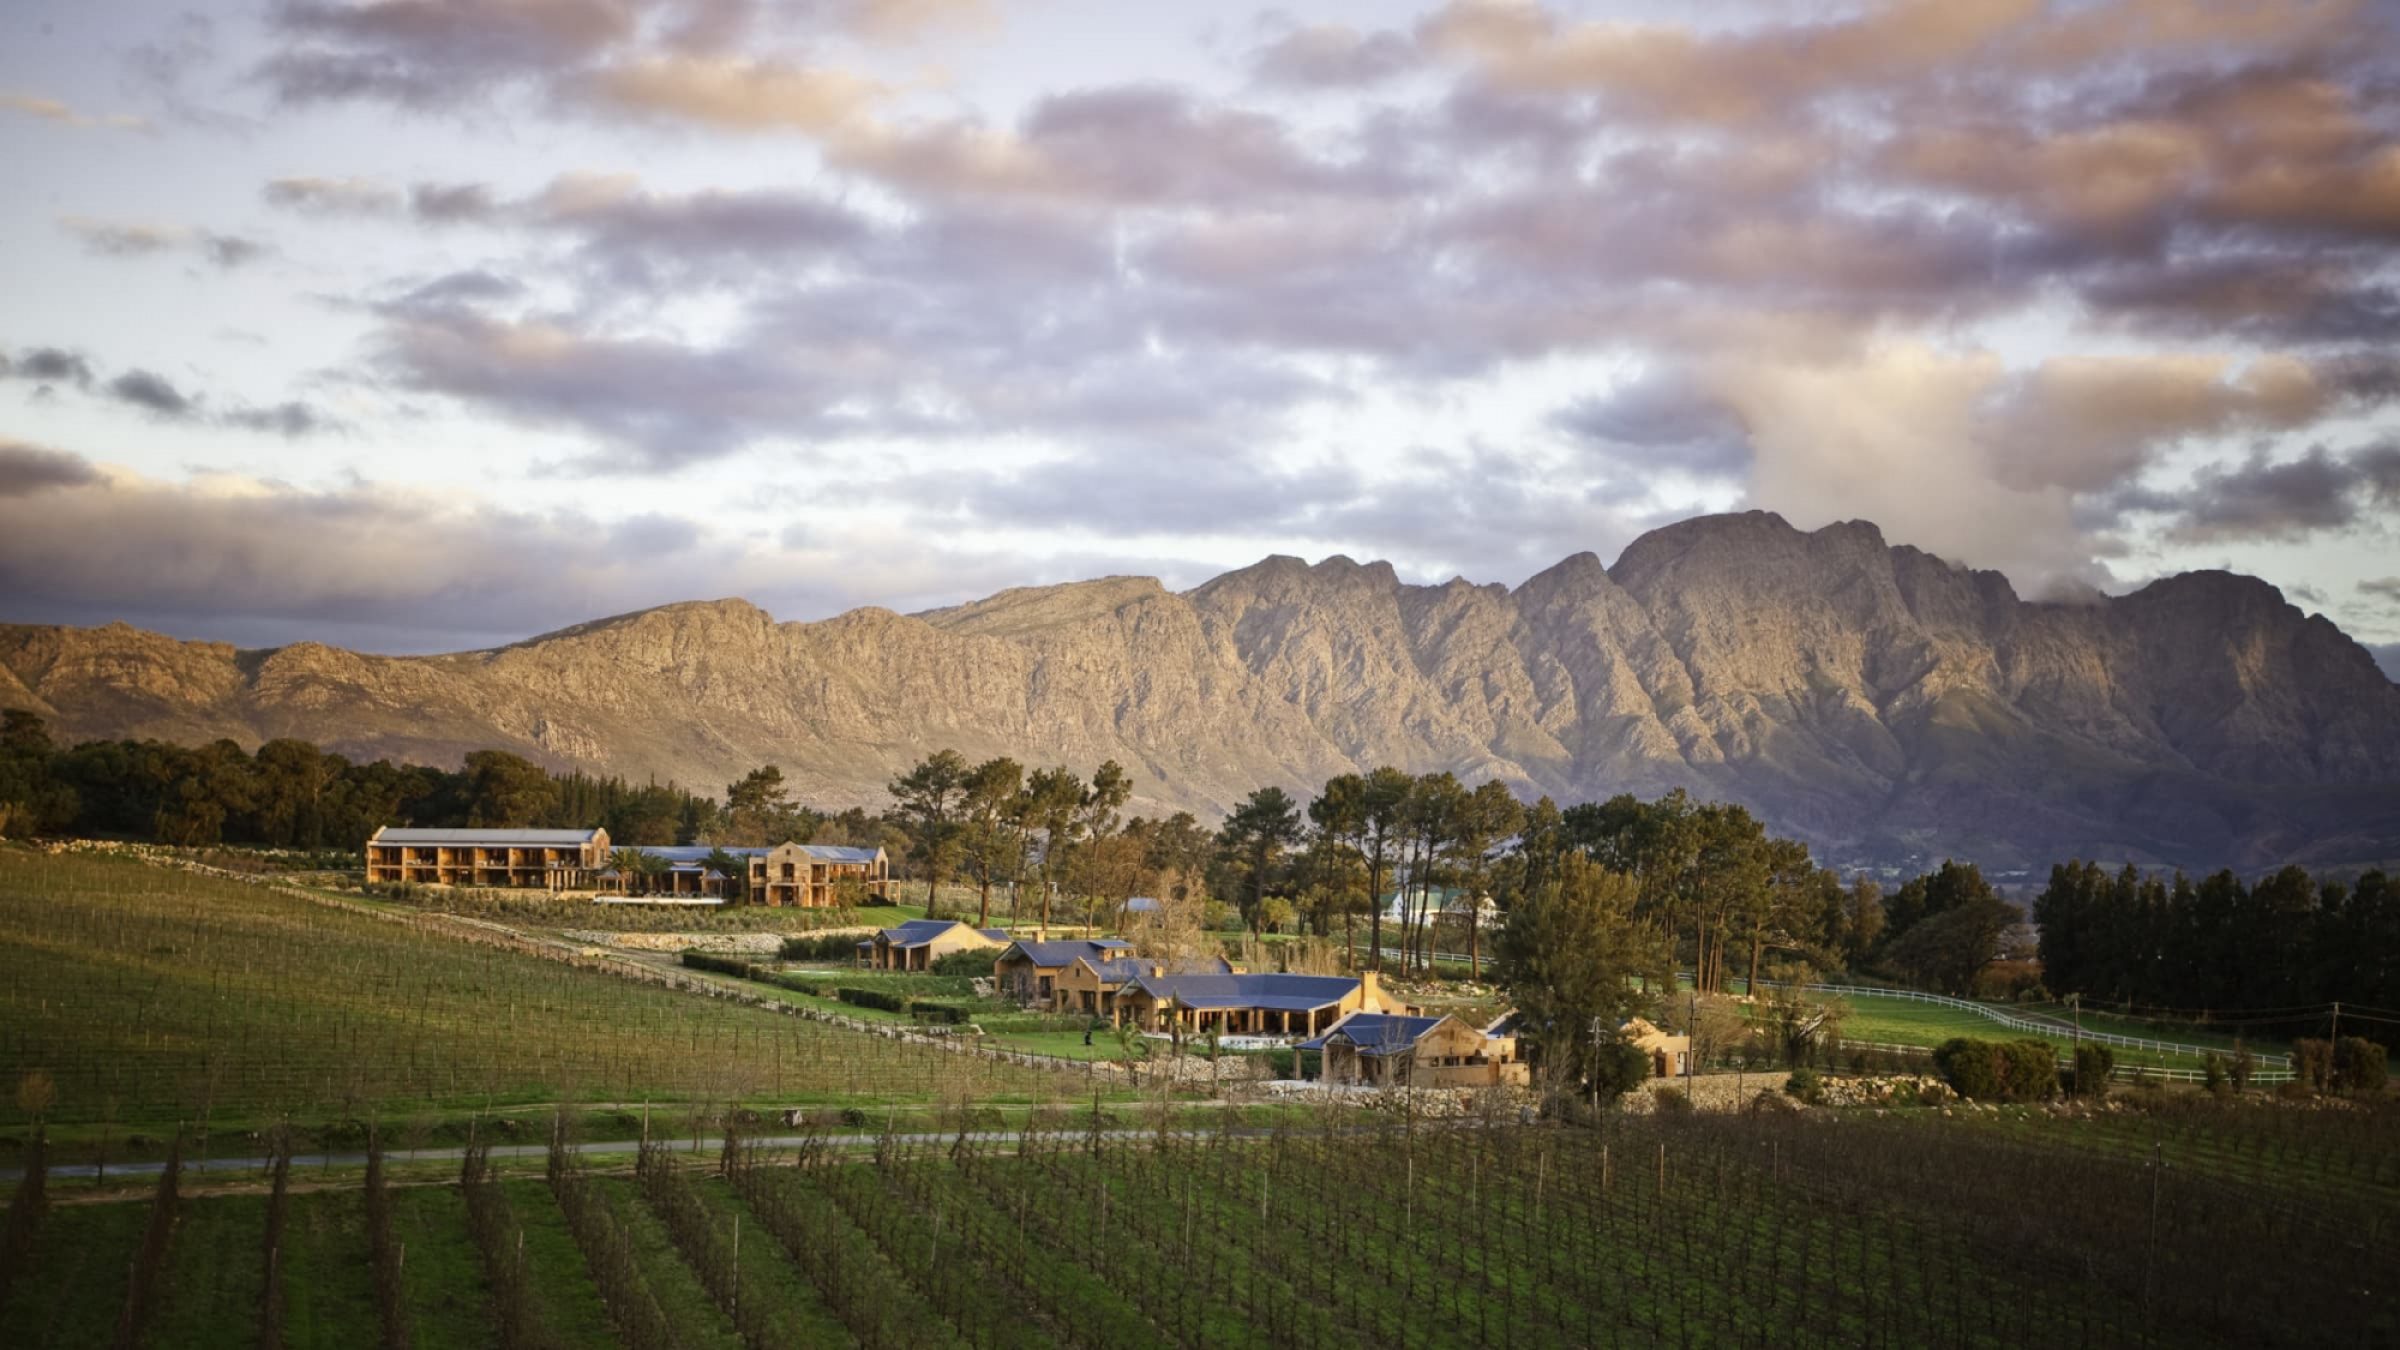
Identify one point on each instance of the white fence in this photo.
(2123, 1073)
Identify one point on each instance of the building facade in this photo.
(1236, 1004)
(555, 860)
(813, 876)
(1387, 1050)
(917, 944)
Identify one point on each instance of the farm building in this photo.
(557, 860)
(1384, 1050)
(1266, 1004)
(1091, 984)
(1670, 1055)
(1028, 971)
(808, 876)
(917, 944)
(799, 876)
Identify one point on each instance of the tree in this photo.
(990, 811)
(1485, 818)
(1570, 953)
(927, 797)
(1255, 837)
(1383, 802)
(506, 791)
(758, 808)
(1053, 797)
(1339, 816)
(736, 872)
(1945, 952)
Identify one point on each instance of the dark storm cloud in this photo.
(1661, 420)
(29, 469)
(151, 393)
(52, 365)
(2266, 498)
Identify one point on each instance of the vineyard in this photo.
(1757, 1229)
(150, 995)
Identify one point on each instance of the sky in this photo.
(416, 325)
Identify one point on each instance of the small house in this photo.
(1029, 971)
(1389, 1050)
(917, 944)
(1670, 1055)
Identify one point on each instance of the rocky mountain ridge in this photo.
(1874, 699)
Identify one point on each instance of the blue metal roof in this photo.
(1064, 951)
(1274, 992)
(843, 853)
(1377, 1033)
(918, 932)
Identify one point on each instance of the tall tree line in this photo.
(291, 794)
(2283, 943)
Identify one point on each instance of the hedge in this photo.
(725, 965)
(871, 998)
(951, 1013)
(820, 947)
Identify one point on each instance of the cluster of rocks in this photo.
(1892, 1090)
(733, 944)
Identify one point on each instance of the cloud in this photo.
(119, 239)
(386, 568)
(151, 393)
(125, 240)
(735, 93)
(48, 365)
(1661, 420)
(332, 196)
(29, 469)
(2264, 497)
(1332, 56)
(451, 202)
(51, 110)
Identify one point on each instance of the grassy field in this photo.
(2023, 1229)
(1894, 1021)
(150, 995)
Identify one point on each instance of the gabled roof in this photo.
(1065, 951)
(1377, 1033)
(485, 838)
(918, 932)
(1274, 992)
(1120, 967)
(840, 853)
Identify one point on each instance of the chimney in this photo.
(1370, 989)
(1157, 970)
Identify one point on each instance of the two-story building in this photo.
(555, 860)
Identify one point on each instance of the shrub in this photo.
(2358, 1065)
(1671, 1101)
(2243, 1066)
(820, 947)
(2213, 1075)
(1932, 1094)
(871, 998)
(1806, 1084)
(948, 1013)
(2312, 1064)
(1974, 1069)
(2295, 1090)
(2094, 1063)
(724, 965)
(974, 962)
(1618, 1067)
(2032, 1070)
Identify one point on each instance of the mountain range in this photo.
(1881, 703)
